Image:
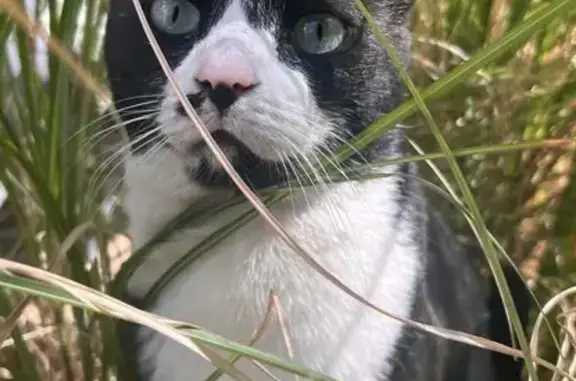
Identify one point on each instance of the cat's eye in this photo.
(319, 34)
(175, 16)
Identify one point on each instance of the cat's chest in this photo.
(233, 288)
(254, 260)
(354, 232)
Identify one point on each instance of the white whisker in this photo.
(149, 153)
(103, 119)
(119, 153)
(94, 139)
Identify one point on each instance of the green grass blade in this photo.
(31, 287)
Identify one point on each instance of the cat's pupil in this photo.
(176, 13)
(319, 31)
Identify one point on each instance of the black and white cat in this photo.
(280, 84)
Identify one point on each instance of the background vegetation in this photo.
(55, 156)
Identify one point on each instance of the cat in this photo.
(281, 84)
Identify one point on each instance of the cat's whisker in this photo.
(105, 118)
(330, 157)
(102, 134)
(330, 200)
(346, 142)
(297, 156)
(156, 96)
(284, 164)
(296, 170)
(320, 180)
(149, 154)
(92, 142)
(120, 152)
(317, 154)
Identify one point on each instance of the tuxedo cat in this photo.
(280, 84)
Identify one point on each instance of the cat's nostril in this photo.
(238, 84)
(205, 85)
(222, 97)
(237, 88)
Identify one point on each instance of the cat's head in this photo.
(279, 83)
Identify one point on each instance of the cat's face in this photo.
(279, 83)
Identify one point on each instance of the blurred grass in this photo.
(526, 197)
(50, 158)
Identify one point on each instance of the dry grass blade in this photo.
(105, 304)
(263, 369)
(255, 337)
(102, 303)
(8, 325)
(568, 343)
(284, 328)
(29, 336)
(66, 291)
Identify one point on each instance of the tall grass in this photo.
(500, 86)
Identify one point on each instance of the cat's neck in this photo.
(158, 190)
(157, 193)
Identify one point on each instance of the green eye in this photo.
(175, 16)
(319, 34)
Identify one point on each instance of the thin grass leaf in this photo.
(482, 59)
(56, 294)
(25, 366)
(477, 221)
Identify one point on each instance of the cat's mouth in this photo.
(223, 138)
(257, 172)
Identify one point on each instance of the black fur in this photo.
(453, 294)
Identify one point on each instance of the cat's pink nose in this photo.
(226, 65)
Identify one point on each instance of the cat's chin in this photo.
(218, 179)
(207, 171)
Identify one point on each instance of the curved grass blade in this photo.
(51, 292)
(186, 218)
(477, 221)
(78, 295)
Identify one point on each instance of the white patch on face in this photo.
(278, 118)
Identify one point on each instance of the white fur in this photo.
(352, 230)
